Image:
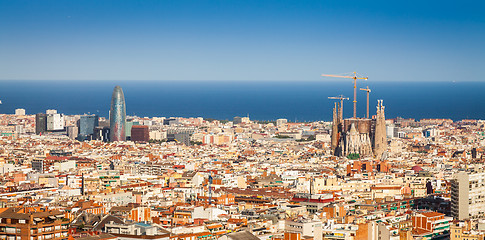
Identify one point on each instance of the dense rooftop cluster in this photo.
(207, 179)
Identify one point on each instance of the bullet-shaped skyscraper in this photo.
(117, 116)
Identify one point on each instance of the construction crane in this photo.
(368, 91)
(355, 86)
(341, 98)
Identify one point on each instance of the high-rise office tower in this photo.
(87, 123)
(40, 123)
(117, 116)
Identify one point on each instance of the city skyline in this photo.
(242, 120)
(241, 40)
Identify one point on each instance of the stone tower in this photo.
(336, 128)
(335, 131)
(380, 142)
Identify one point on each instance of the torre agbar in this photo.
(117, 115)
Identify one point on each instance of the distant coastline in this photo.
(266, 100)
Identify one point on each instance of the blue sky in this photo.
(241, 40)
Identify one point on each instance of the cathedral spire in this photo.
(380, 141)
(335, 124)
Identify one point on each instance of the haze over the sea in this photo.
(262, 100)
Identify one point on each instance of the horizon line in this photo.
(238, 80)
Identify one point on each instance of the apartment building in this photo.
(20, 223)
(462, 230)
(431, 225)
(468, 195)
(306, 227)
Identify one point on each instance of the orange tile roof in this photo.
(432, 214)
(214, 226)
(386, 187)
(419, 231)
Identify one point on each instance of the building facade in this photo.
(72, 131)
(40, 123)
(462, 230)
(33, 223)
(431, 225)
(140, 133)
(306, 227)
(101, 133)
(239, 120)
(87, 123)
(468, 195)
(281, 122)
(55, 122)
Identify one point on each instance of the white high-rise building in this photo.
(281, 121)
(20, 112)
(468, 195)
(55, 122)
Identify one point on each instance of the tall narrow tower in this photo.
(117, 116)
(335, 130)
(380, 141)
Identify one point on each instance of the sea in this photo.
(297, 101)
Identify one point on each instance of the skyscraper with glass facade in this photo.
(87, 123)
(117, 116)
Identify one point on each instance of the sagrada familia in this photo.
(363, 136)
